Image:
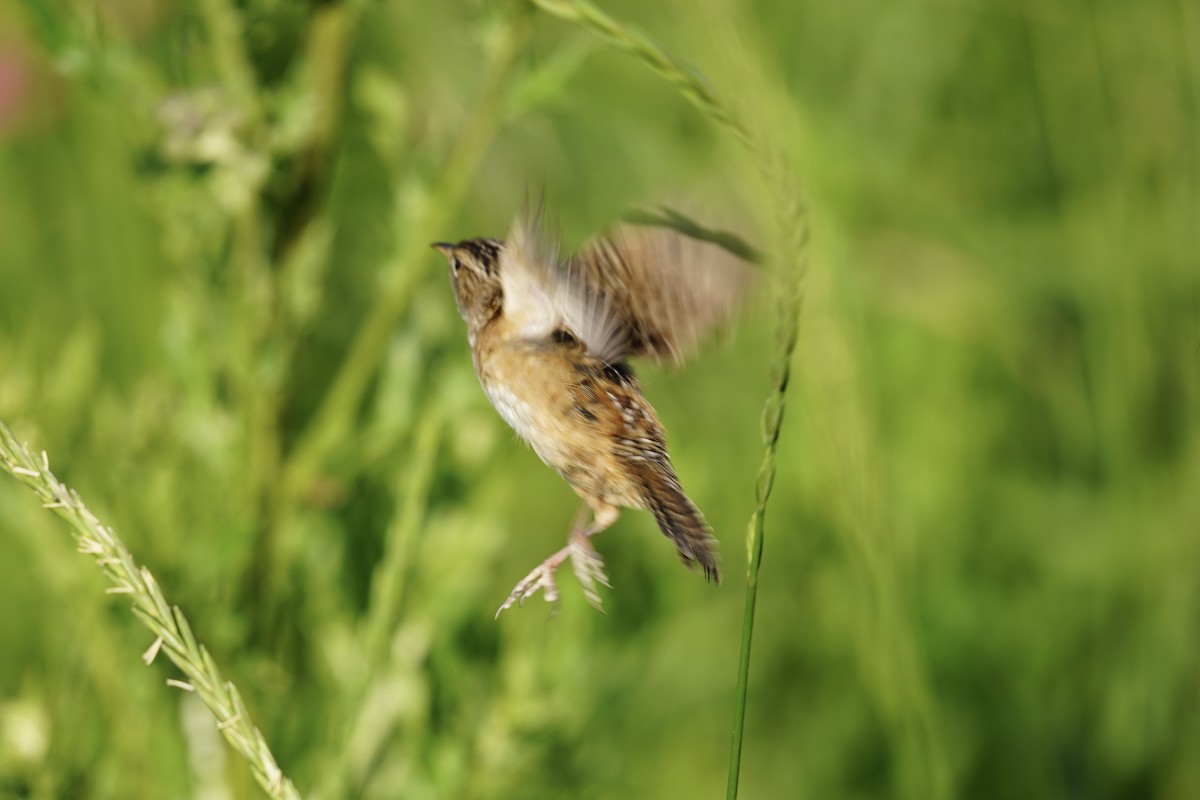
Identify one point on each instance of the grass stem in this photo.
(334, 417)
(792, 219)
(172, 631)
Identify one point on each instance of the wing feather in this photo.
(670, 288)
(640, 290)
(529, 279)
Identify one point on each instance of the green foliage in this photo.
(220, 317)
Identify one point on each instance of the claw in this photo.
(589, 569)
(542, 578)
(585, 561)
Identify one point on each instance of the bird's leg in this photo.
(585, 560)
(588, 565)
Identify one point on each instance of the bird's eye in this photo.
(457, 266)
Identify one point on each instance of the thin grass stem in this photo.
(173, 633)
(389, 586)
(333, 419)
(792, 222)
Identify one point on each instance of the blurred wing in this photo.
(652, 287)
(528, 278)
(542, 295)
(665, 281)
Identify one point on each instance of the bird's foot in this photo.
(542, 578)
(585, 561)
(589, 568)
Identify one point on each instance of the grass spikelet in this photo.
(170, 627)
(792, 222)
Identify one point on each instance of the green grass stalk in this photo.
(792, 220)
(333, 420)
(389, 588)
(168, 624)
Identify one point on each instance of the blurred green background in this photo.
(219, 316)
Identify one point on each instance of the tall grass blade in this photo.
(178, 642)
(793, 228)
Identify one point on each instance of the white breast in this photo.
(515, 410)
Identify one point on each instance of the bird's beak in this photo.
(445, 248)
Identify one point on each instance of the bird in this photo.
(550, 341)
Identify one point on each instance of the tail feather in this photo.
(684, 525)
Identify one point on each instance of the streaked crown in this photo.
(475, 275)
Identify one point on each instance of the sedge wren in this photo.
(549, 340)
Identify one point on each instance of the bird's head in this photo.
(475, 276)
